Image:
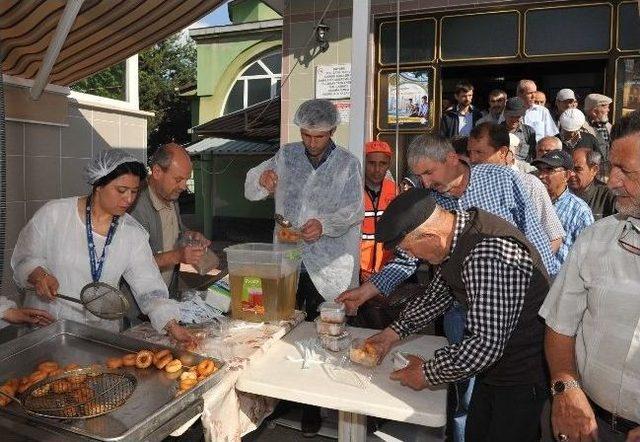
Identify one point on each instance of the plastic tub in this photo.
(329, 328)
(363, 354)
(264, 280)
(332, 312)
(336, 343)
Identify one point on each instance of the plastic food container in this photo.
(363, 354)
(329, 328)
(336, 343)
(400, 360)
(264, 280)
(332, 312)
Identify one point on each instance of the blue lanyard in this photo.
(97, 263)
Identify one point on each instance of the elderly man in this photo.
(540, 99)
(379, 191)
(565, 99)
(585, 184)
(596, 110)
(485, 263)
(513, 113)
(546, 145)
(457, 185)
(497, 100)
(513, 161)
(593, 313)
(460, 119)
(489, 144)
(535, 116)
(317, 186)
(554, 170)
(158, 211)
(574, 133)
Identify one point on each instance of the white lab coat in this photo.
(5, 304)
(332, 194)
(55, 238)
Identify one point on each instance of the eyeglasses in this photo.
(549, 171)
(629, 238)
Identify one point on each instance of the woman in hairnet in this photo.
(72, 242)
(318, 187)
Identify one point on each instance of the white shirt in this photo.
(55, 239)
(332, 194)
(465, 123)
(543, 206)
(540, 119)
(596, 298)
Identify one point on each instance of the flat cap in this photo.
(594, 100)
(406, 212)
(514, 107)
(565, 94)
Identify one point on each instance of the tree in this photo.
(162, 69)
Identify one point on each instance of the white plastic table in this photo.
(276, 376)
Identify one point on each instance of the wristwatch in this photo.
(558, 387)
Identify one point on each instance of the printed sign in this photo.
(344, 110)
(333, 81)
(252, 295)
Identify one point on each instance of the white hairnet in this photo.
(106, 162)
(317, 114)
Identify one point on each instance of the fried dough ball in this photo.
(144, 358)
(114, 363)
(160, 355)
(206, 367)
(163, 362)
(129, 360)
(173, 366)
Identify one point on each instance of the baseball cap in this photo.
(377, 147)
(555, 158)
(514, 107)
(565, 94)
(595, 100)
(571, 120)
(403, 215)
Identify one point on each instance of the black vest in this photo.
(523, 359)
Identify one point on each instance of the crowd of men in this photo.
(502, 207)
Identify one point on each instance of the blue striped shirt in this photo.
(575, 215)
(496, 189)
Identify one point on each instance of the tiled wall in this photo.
(45, 161)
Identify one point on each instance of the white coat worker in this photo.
(318, 187)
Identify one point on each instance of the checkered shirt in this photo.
(496, 274)
(602, 130)
(496, 189)
(575, 214)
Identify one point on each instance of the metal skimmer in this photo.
(78, 394)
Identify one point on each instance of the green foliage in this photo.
(163, 68)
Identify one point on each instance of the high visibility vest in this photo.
(372, 254)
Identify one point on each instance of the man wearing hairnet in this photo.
(317, 187)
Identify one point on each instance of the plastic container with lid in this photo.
(264, 280)
(329, 328)
(336, 343)
(332, 312)
(363, 353)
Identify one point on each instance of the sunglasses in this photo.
(629, 238)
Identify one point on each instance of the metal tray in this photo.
(152, 403)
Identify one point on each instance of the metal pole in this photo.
(359, 55)
(397, 134)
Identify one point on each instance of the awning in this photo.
(105, 32)
(222, 146)
(260, 122)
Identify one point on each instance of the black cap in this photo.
(514, 107)
(406, 212)
(555, 158)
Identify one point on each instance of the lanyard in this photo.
(97, 263)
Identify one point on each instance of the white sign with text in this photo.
(333, 81)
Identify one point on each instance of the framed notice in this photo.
(412, 91)
(628, 84)
(333, 81)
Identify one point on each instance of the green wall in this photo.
(245, 11)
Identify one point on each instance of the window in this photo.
(258, 82)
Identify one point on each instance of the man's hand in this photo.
(46, 285)
(572, 416)
(311, 230)
(28, 316)
(190, 254)
(269, 180)
(412, 375)
(183, 336)
(634, 435)
(354, 298)
(383, 342)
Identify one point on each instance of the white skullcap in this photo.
(320, 115)
(106, 162)
(571, 120)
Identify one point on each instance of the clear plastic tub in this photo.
(263, 279)
(332, 312)
(336, 343)
(329, 328)
(363, 353)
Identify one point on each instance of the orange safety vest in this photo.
(372, 254)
